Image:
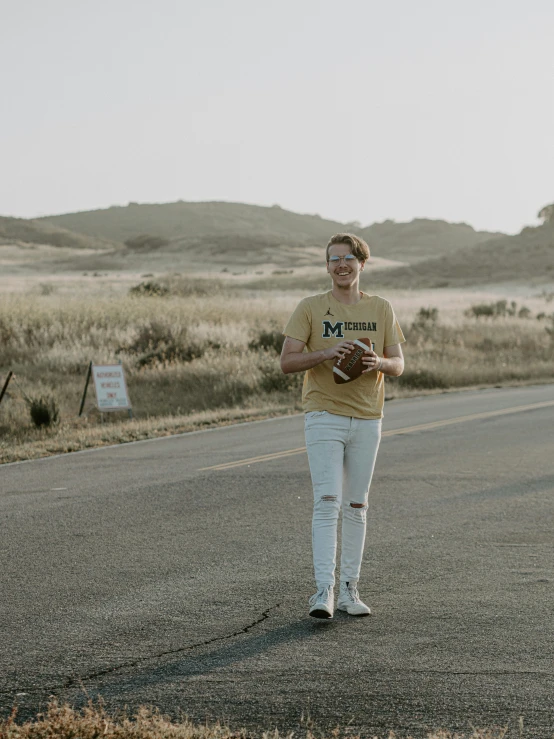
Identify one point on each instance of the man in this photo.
(342, 422)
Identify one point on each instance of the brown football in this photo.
(350, 367)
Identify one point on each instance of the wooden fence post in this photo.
(5, 387)
(89, 373)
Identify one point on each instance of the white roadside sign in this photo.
(111, 390)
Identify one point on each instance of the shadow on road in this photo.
(204, 661)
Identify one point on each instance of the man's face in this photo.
(345, 272)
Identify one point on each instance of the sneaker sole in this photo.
(357, 615)
(320, 613)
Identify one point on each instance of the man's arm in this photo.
(295, 359)
(392, 361)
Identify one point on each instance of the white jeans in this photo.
(340, 447)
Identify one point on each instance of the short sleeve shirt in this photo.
(322, 321)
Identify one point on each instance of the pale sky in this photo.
(353, 109)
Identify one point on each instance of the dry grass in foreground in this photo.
(92, 722)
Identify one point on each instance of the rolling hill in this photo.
(525, 257)
(201, 236)
(184, 221)
(421, 238)
(228, 230)
(14, 230)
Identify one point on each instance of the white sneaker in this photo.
(322, 602)
(349, 600)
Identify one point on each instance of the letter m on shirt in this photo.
(333, 329)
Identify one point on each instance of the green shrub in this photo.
(7, 332)
(145, 242)
(184, 287)
(44, 411)
(149, 289)
(268, 340)
(494, 310)
(427, 315)
(150, 335)
(171, 353)
(158, 343)
(274, 380)
(483, 310)
(425, 323)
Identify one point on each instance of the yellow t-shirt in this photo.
(322, 321)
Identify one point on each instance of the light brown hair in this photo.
(358, 247)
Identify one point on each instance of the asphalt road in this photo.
(136, 573)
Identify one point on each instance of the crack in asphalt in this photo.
(110, 670)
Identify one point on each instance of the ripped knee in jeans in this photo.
(355, 512)
(327, 506)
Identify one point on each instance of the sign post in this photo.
(89, 372)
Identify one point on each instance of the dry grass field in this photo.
(64, 722)
(201, 351)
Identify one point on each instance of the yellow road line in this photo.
(253, 460)
(391, 432)
(473, 417)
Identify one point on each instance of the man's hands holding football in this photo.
(339, 350)
(371, 361)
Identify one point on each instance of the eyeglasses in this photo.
(348, 259)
